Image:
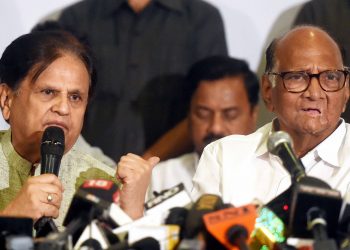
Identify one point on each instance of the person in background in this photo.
(307, 86)
(224, 96)
(47, 79)
(137, 42)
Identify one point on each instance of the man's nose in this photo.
(61, 105)
(314, 91)
(216, 125)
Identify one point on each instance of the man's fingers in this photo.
(52, 199)
(46, 179)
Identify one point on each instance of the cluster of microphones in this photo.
(308, 209)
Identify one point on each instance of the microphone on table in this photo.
(52, 149)
(194, 234)
(157, 208)
(162, 220)
(305, 195)
(205, 204)
(232, 226)
(92, 213)
(95, 199)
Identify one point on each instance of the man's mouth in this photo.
(312, 111)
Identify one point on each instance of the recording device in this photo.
(52, 149)
(305, 193)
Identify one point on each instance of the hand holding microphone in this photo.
(32, 200)
(52, 149)
(41, 195)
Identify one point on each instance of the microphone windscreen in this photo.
(52, 149)
(52, 141)
(145, 244)
(92, 194)
(177, 216)
(276, 139)
(229, 225)
(90, 244)
(148, 243)
(280, 143)
(205, 204)
(92, 199)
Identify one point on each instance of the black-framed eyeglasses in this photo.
(299, 81)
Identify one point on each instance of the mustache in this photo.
(212, 137)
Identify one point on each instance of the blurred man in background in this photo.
(224, 96)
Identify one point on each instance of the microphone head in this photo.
(146, 243)
(91, 200)
(92, 195)
(205, 204)
(177, 216)
(276, 139)
(52, 141)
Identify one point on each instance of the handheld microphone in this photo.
(279, 143)
(52, 148)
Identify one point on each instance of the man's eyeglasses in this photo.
(299, 81)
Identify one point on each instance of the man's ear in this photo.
(347, 93)
(6, 96)
(266, 92)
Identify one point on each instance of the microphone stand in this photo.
(317, 224)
